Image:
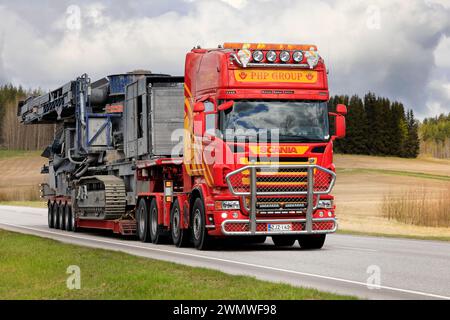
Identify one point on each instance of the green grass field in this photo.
(35, 268)
(394, 172)
(18, 153)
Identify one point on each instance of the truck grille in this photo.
(283, 180)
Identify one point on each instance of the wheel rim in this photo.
(197, 224)
(154, 221)
(72, 216)
(50, 214)
(141, 221)
(66, 216)
(61, 216)
(176, 223)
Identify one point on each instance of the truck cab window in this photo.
(210, 118)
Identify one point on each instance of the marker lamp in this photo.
(227, 205)
(258, 55)
(325, 204)
(285, 56)
(271, 56)
(298, 56)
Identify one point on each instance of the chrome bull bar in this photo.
(302, 175)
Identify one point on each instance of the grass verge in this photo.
(391, 235)
(35, 268)
(395, 172)
(31, 204)
(18, 153)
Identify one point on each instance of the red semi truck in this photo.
(253, 156)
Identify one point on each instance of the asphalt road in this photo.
(407, 269)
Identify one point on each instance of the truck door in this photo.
(142, 118)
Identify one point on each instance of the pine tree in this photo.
(412, 144)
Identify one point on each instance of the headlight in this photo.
(271, 56)
(325, 204)
(227, 205)
(258, 56)
(312, 58)
(298, 56)
(244, 56)
(285, 56)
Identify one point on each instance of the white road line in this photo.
(230, 261)
(354, 248)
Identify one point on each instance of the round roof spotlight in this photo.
(298, 56)
(271, 56)
(285, 56)
(258, 56)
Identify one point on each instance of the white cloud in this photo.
(395, 59)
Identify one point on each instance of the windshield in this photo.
(286, 120)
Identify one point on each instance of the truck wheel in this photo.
(68, 217)
(62, 216)
(56, 215)
(257, 239)
(50, 215)
(142, 221)
(180, 237)
(73, 220)
(199, 233)
(155, 230)
(283, 241)
(313, 241)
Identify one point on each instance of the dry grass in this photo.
(418, 206)
(25, 193)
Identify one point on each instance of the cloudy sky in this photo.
(399, 49)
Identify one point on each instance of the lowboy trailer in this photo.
(250, 156)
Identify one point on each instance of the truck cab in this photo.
(258, 144)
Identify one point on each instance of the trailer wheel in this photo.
(180, 237)
(68, 217)
(200, 236)
(142, 224)
(73, 220)
(313, 241)
(283, 241)
(51, 224)
(56, 215)
(155, 230)
(62, 216)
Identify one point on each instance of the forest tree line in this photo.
(435, 134)
(13, 134)
(377, 126)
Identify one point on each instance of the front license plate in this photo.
(279, 227)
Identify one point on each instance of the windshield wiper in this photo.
(301, 138)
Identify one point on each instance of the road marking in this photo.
(353, 248)
(229, 261)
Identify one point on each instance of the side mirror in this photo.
(199, 107)
(341, 109)
(225, 106)
(340, 127)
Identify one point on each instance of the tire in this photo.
(55, 215)
(310, 242)
(198, 226)
(51, 223)
(257, 239)
(283, 241)
(73, 218)
(68, 217)
(62, 216)
(156, 233)
(180, 237)
(142, 221)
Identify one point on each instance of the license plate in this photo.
(279, 227)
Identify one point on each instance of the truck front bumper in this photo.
(263, 227)
(254, 182)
